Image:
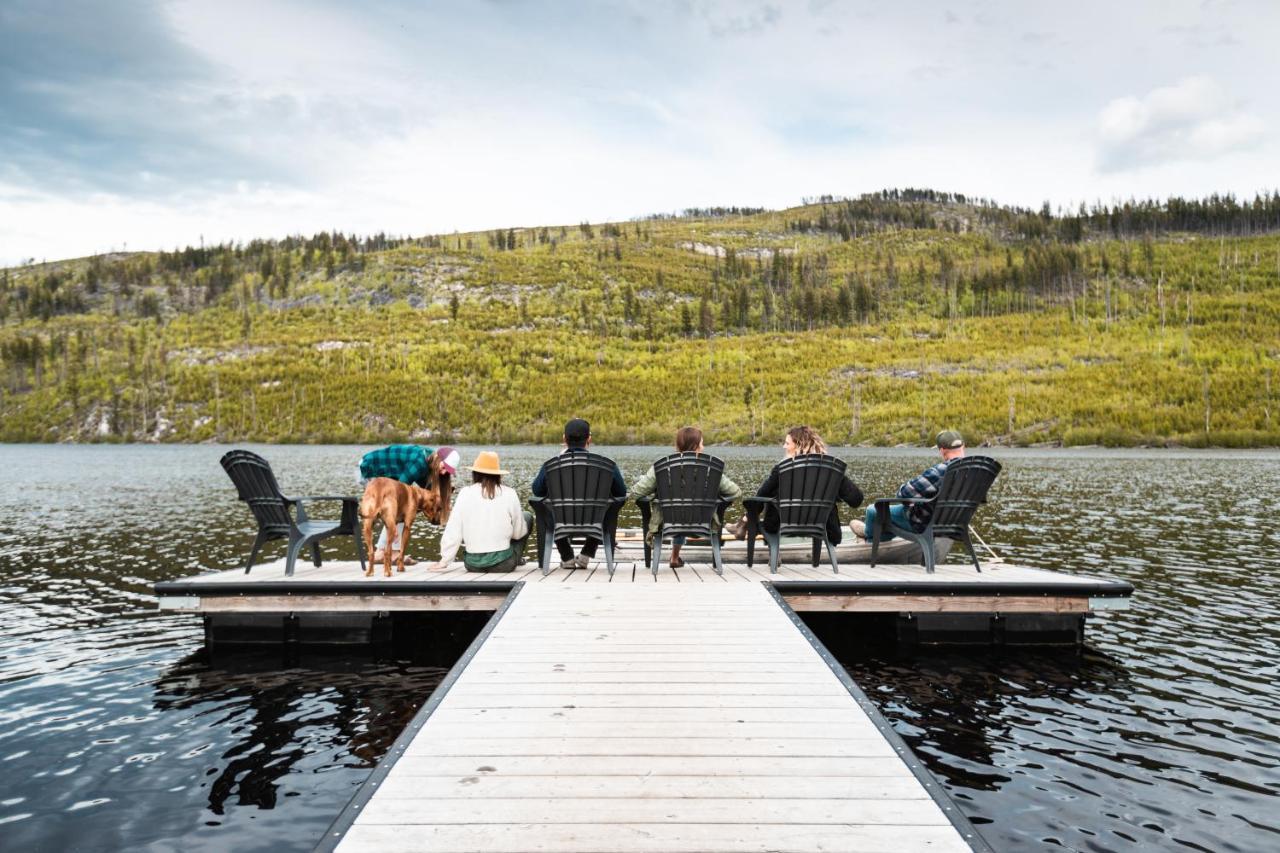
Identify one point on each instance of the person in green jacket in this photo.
(688, 440)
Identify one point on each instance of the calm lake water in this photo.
(117, 730)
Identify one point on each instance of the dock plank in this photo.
(651, 838)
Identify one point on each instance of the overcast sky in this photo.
(149, 124)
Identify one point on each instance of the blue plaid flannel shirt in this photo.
(923, 486)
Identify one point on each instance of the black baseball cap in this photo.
(950, 440)
(577, 431)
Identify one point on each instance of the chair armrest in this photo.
(883, 522)
(888, 501)
(350, 504)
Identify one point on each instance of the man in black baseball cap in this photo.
(950, 446)
(577, 438)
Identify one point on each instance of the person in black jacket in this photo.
(799, 441)
(577, 439)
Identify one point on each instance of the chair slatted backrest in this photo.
(808, 486)
(579, 490)
(963, 489)
(257, 487)
(688, 488)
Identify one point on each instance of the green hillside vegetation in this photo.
(879, 320)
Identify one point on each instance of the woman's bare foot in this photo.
(437, 567)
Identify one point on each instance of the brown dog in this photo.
(395, 503)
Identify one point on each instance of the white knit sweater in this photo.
(483, 526)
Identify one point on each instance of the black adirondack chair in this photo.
(688, 494)
(579, 503)
(270, 507)
(963, 488)
(808, 487)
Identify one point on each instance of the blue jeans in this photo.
(897, 514)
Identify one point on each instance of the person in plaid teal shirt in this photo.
(413, 465)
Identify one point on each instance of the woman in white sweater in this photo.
(486, 520)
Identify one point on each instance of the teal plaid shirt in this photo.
(404, 462)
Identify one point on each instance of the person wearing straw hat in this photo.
(487, 522)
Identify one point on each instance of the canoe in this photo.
(795, 551)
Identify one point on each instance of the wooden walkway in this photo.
(689, 714)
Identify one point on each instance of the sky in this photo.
(155, 124)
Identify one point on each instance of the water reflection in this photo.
(275, 715)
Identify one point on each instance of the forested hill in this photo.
(878, 319)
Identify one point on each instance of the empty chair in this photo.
(270, 507)
(688, 495)
(808, 487)
(579, 503)
(963, 488)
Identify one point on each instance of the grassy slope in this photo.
(374, 353)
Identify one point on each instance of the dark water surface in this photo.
(118, 731)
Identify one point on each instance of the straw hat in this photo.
(487, 463)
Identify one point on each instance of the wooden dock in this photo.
(690, 711)
(650, 717)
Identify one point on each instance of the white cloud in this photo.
(419, 119)
(1195, 119)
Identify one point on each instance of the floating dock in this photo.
(687, 711)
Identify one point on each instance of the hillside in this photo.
(879, 320)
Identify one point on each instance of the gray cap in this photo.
(949, 439)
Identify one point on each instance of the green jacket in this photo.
(648, 485)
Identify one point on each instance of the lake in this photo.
(117, 729)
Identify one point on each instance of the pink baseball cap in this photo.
(450, 459)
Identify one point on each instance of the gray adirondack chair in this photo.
(688, 493)
(257, 487)
(579, 502)
(963, 489)
(808, 487)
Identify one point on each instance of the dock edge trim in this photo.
(337, 830)
(932, 786)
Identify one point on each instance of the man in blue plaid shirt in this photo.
(412, 465)
(950, 446)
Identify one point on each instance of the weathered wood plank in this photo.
(665, 714)
(865, 788)
(652, 838)
(690, 766)
(567, 729)
(624, 746)
(349, 603)
(615, 810)
(938, 603)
